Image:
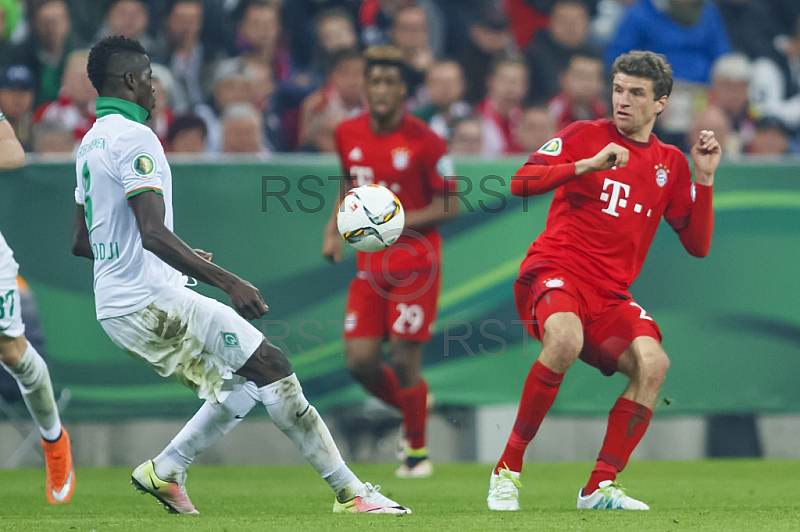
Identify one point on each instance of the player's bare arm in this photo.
(441, 208)
(331, 239)
(81, 247)
(612, 155)
(11, 153)
(706, 153)
(149, 210)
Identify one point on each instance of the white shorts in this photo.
(192, 338)
(10, 316)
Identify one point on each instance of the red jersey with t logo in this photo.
(601, 224)
(412, 162)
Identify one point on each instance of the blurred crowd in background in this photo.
(493, 77)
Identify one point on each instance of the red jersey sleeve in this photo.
(552, 165)
(690, 212)
(438, 165)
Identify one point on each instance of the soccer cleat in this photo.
(171, 494)
(369, 501)
(609, 496)
(504, 491)
(420, 469)
(60, 473)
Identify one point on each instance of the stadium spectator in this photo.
(501, 110)
(16, 101)
(751, 26)
(775, 87)
(375, 17)
(409, 34)
(340, 98)
(549, 53)
(535, 128)
(489, 42)
(730, 84)
(182, 51)
(604, 24)
(75, 104)
(526, 17)
(52, 137)
(690, 33)
(714, 119)
(162, 114)
(467, 136)
(444, 89)
(230, 85)
(335, 32)
(128, 18)
(46, 49)
(770, 139)
(320, 131)
(581, 96)
(187, 134)
(242, 131)
(258, 38)
(303, 17)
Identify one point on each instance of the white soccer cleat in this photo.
(171, 494)
(504, 491)
(369, 501)
(609, 496)
(422, 469)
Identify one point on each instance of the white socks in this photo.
(206, 427)
(289, 410)
(33, 380)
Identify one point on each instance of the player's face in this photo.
(144, 93)
(634, 106)
(385, 90)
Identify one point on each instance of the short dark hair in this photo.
(101, 54)
(647, 65)
(185, 123)
(384, 56)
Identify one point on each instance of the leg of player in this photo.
(29, 369)
(645, 363)
(363, 360)
(561, 343)
(406, 362)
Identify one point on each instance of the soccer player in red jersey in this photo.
(395, 292)
(614, 180)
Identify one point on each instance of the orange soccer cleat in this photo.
(60, 473)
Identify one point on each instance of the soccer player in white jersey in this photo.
(123, 222)
(21, 360)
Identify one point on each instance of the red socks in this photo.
(541, 388)
(627, 424)
(413, 405)
(412, 402)
(388, 388)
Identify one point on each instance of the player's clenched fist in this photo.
(612, 155)
(706, 153)
(247, 300)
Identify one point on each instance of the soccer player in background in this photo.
(395, 292)
(123, 222)
(614, 181)
(21, 359)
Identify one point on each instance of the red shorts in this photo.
(610, 320)
(403, 306)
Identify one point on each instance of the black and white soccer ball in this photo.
(370, 218)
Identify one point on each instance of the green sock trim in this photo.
(422, 452)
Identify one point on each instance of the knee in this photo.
(360, 367)
(562, 343)
(12, 350)
(653, 365)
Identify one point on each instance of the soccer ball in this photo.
(370, 218)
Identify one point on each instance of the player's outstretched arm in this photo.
(440, 208)
(81, 247)
(149, 209)
(11, 153)
(331, 239)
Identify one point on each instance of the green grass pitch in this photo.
(707, 495)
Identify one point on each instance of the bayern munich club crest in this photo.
(400, 158)
(661, 175)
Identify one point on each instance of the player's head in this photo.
(384, 76)
(640, 89)
(119, 68)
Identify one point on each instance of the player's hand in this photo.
(705, 155)
(206, 256)
(332, 247)
(247, 300)
(612, 155)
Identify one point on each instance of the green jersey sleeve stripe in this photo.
(133, 192)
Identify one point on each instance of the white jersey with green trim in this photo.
(8, 266)
(117, 159)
